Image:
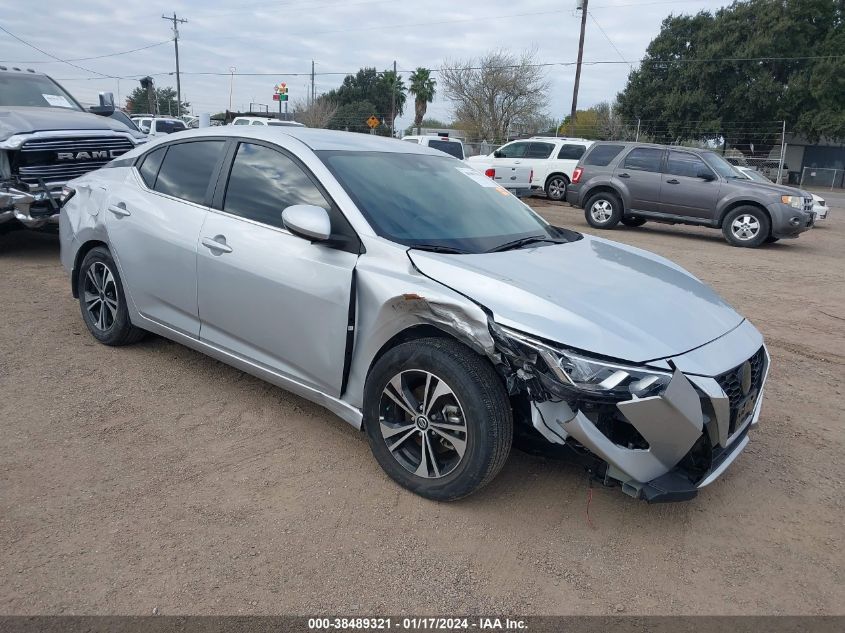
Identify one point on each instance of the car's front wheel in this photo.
(102, 300)
(603, 210)
(437, 418)
(746, 226)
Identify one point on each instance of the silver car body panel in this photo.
(278, 306)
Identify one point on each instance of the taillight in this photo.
(490, 173)
(576, 175)
(531, 177)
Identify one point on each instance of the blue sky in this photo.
(281, 38)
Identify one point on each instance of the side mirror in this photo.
(308, 221)
(498, 154)
(706, 175)
(106, 107)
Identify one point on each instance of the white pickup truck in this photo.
(512, 176)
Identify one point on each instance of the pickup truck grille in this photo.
(58, 160)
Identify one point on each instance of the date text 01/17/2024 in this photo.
(415, 624)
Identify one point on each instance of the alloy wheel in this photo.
(423, 424)
(100, 295)
(601, 211)
(745, 227)
(557, 188)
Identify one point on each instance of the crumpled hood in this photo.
(20, 120)
(594, 295)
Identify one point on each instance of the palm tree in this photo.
(423, 88)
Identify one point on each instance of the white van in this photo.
(451, 146)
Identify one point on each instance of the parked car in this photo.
(47, 138)
(257, 120)
(552, 159)
(513, 177)
(820, 208)
(632, 183)
(156, 126)
(440, 319)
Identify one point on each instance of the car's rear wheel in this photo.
(556, 187)
(746, 226)
(102, 300)
(438, 418)
(632, 221)
(603, 210)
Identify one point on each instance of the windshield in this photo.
(21, 90)
(720, 165)
(448, 147)
(756, 176)
(117, 115)
(434, 201)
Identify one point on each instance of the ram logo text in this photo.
(95, 155)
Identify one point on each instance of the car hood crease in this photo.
(593, 294)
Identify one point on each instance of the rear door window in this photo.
(539, 150)
(644, 159)
(602, 155)
(571, 152)
(187, 169)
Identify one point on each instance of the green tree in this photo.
(353, 116)
(373, 88)
(703, 74)
(423, 87)
(138, 103)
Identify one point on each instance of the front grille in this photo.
(808, 204)
(57, 160)
(742, 402)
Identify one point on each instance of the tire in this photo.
(464, 391)
(103, 302)
(556, 187)
(603, 210)
(746, 226)
(632, 221)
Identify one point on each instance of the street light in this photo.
(232, 70)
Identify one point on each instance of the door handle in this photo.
(216, 243)
(672, 181)
(119, 210)
(624, 175)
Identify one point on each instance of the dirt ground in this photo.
(152, 477)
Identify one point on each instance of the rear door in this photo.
(154, 222)
(266, 295)
(537, 158)
(639, 173)
(683, 192)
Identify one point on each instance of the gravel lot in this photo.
(152, 477)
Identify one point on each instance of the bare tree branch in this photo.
(317, 114)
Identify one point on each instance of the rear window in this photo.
(539, 150)
(571, 152)
(168, 127)
(644, 159)
(187, 168)
(601, 155)
(448, 147)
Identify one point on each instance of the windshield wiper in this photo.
(438, 248)
(523, 241)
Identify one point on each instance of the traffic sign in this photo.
(373, 122)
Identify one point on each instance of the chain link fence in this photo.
(823, 178)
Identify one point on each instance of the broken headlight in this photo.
(575, 370)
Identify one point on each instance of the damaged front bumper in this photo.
(664, 446)
(33, 210)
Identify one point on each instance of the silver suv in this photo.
(632, 183)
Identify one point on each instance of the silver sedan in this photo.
(420, 302)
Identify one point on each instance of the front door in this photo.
(683, 191)
(266, 295)
(154, 222)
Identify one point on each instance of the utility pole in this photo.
(313, 95)
(583, 9)
(232, 70)
(393, 102)
(782, 151)
(638, 130)
(174, 19)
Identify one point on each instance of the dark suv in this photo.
(635, 182)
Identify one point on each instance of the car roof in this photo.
(315, 139)
(694, 150)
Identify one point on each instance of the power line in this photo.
(83, 59)
(43, 52)
(607, 37)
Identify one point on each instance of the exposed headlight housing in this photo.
(796, 202)
(585, 375)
